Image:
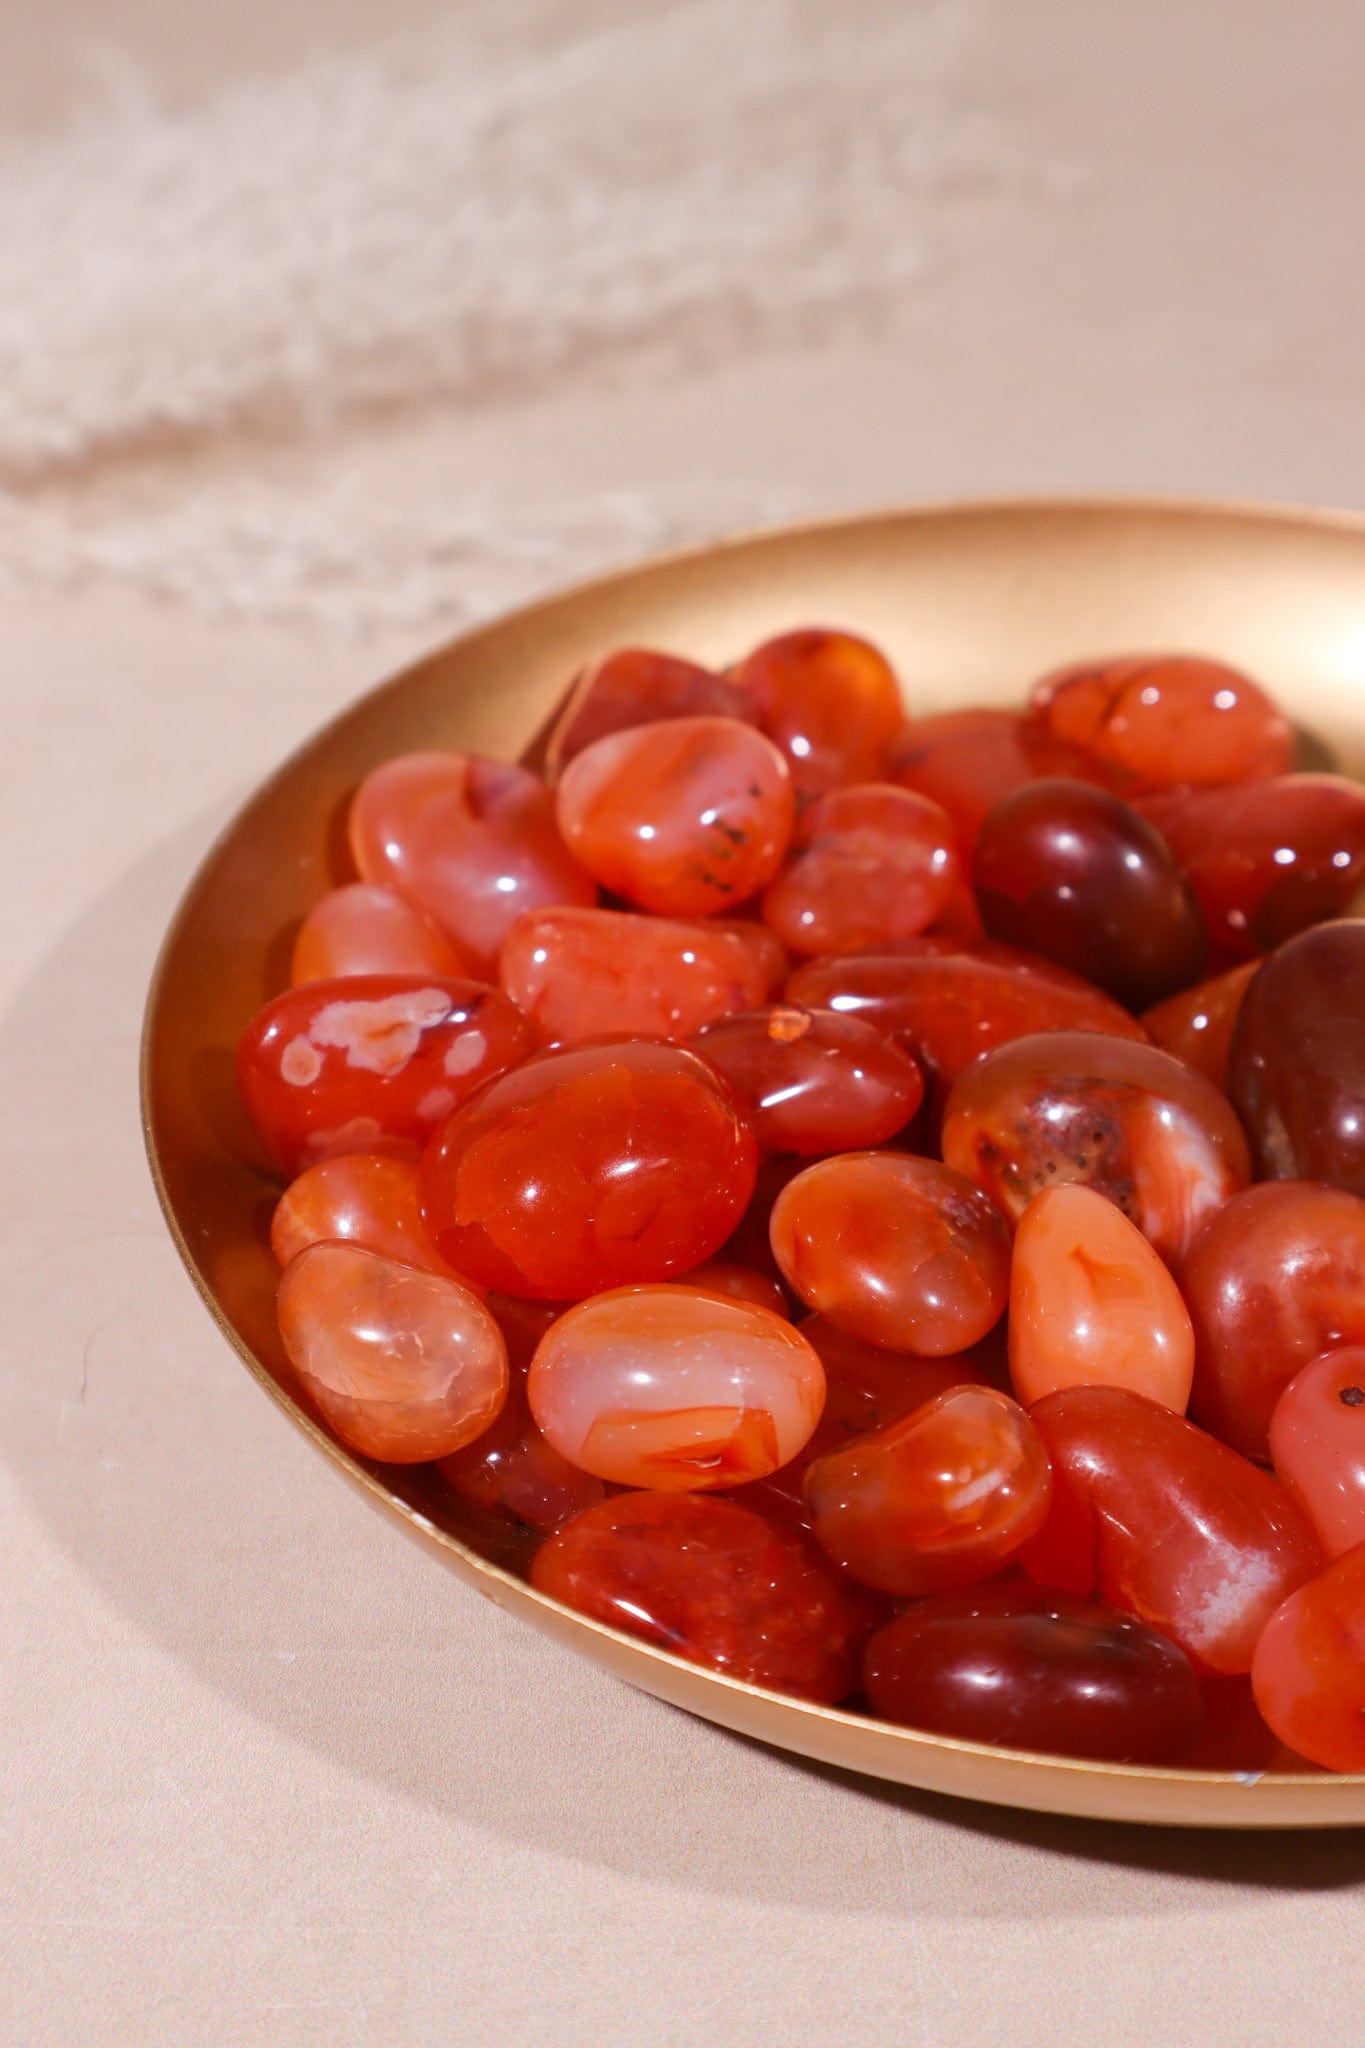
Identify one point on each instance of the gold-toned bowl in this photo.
(971, 602)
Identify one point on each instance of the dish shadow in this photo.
(367, 1658)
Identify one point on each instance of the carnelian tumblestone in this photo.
(948, 1002)
(470, 842)
(1127, 1120)
(1151, 720)
(968, 760)
(1273, 1280)
(898, 1250)
(830, 701)
(1164, 1522)
(364, 1198)
(371, 1063)
(683, 818)
(598, 1166)
(866, 1387)
(714, 1583)
(1081, 877)
(673, 1388)
(735, 1282)
(814, 1081)
(363, 929)
(583, 974)
(1034, 1669)
(1267, 859)
(1198, 1024)
(1317, 1443)
(635, 686)
(876, 864)
(1092, 1305)
(941, 1499)
(406, 1365)
(1309, 1670)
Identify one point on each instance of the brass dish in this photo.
(971, 602)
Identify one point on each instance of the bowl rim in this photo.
(1266, 512)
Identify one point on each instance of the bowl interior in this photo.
(971, 603)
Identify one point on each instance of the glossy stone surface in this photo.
(635, 686)
(1033, 1669)
(1309, 1670)
(1197, 1025)
(1317, 1445)
(363, 1198)
(684, 818)
(866, 1387)
(938, 1500)
(405, 1365)
(1075, 874)
(582, 974)
(1092, 1305)
(470, 842)
(1268, 859)
(814, 1081)
(373, 1063)
(362, 929)
(968, 760)
(829, 700)
(1296, 1069)
(1151, 720)
(1154, 1517)
(1276, 1278)
(948, 1003)
(1124, 1119)
(595, 1167)
(675, 1389)
(714, 1583)
(898, 1250)
(875, 864)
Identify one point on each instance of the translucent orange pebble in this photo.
(1092, 1305)
(405, 1365)
(363, 929)
(675, 1389)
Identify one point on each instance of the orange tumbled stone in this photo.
(405, 1365)
(683, 818)
(675, 1389)
(363, 929)
(1092, 1304)
(364, 1198)
(715, 1583)
(943, 1498)
(898, 1250)
(591, 1167)
(831, 702)
(1197, 1025)
(580, 974)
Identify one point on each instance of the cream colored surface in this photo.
(270, 1777)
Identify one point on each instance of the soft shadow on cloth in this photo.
(442, 226)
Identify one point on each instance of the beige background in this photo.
(269, 1778)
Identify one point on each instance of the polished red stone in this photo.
(831, 702)
(373, 1063)
(812, 1080)
(599, 1166)
(583, 974)
(1152, 720)
(717, 1584)
(470, 842)
(898, 1250)
(1162, 1521)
